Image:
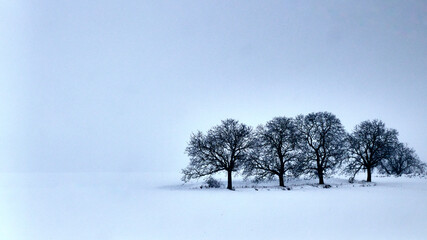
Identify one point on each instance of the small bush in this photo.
(213, 183)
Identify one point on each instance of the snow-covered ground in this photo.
(157, 206)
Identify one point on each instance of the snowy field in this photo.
(158, 206)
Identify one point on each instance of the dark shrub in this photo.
(213, 183)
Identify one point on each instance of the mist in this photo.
(110, 86)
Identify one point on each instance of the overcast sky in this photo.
(121, 85)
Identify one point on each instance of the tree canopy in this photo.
(404, 160)
(369, 144)
(323, 143)
(275, 150)
(224, 148)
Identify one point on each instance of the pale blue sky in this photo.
(120, 85)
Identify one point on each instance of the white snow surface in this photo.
(158, 206)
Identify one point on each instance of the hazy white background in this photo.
(98, 100)
(120, 85)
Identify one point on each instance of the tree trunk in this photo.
(281, 182)
(229, 183)
(319, 170)
(369, 174)
(320, 173)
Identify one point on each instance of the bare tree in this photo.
(275, 150)
(224, 148)
(323, 143)
(404, 160)
(369, 144)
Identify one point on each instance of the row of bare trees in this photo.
(314, 145)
